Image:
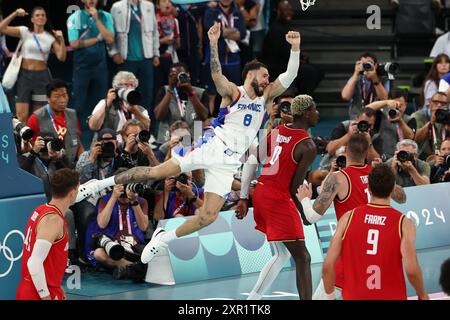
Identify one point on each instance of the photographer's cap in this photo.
(106, 131)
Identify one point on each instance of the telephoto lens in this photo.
(25, 132)
(114, 250)
(129, 95)
(55, 144)
(143, 136)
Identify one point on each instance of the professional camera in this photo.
(128, 95)
(55, 144)
(404, 156)
(141, 189)
(321, 144)
(182, 178)
(114, 250)
(446, 163)
(442, 116)
(183, 77)
(341, 162)
(143, 136)
(363, 126)
(389, 69)
(393, 113)
(25, 132)
(108, 149)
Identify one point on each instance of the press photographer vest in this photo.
(174, 114)
(71, 137)
(112, 117)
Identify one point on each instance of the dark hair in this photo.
(399, 93)
(63, 181)
(180, 64)
(55, 84)
(47, 27)
(369, 55)
(367, 111)
(444, 279)
(252, 65)
(357, 147)
(381, 181)
(433, 74)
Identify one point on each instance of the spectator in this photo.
(121, 216)
(344, 130)
(412, 171)
(249, 10)
(180, 198)
(276, 51)
(178, 131)
(365, 86)
(4, 53)
(42, 161)
(56, 117)
(258, 31)
(113, 112)
(134, 153)
(430, 133)
(37, 42)
(444, 278)
(169, 38)
(98, 163)
(395, 124)
(440, 67)
(137, 44)
(191, 38)
(89, 30)
(232, 31)
(440, 166)
(179, 100)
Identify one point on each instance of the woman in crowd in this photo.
(38, 41)
(440, 66)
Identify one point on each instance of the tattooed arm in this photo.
(398, 195)
(224, 87)
(136, 174)
(327, 193)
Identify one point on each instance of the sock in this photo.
(169, 236)
(105, 183)
(254, 296)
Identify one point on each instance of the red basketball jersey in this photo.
(56, 262)
(358, 192)
(281, 165)
(371, 254)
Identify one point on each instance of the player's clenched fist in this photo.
(214, 33)
(294, 38)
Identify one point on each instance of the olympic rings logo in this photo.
(7, 252)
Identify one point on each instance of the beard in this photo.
(256, 88)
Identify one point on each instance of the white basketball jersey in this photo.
(238, 124)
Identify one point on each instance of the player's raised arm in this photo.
(285, 79)
(224, 87)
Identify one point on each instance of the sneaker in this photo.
(91, 188)
(154, 246)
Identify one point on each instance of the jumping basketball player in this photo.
(375, 242)
(291, 151)
(45, 249)
(240, 117)
(347, 189)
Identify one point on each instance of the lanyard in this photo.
(39, 45)
(225, 22)
(51, 118)
(399, 132)
(135, 14)
(121, 221)
(42, 165)
(181, 106)
(84, 34)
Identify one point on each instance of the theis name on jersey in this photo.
(364, 179)
(283, 139)
(373, 219)
(252, 107)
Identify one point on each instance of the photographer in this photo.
(433, 124)
(135, 150)
(179, 199)
(409, 170)
(179, 100)
(365, 86)
(440, 164)
(346, 129)
(395, 124)
(113, 111)
(121, 217)
(98, 163)
(281, 112)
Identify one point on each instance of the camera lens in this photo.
(367, 66)
(443, 116)
(143, 136)
(56, 144)
(404, 156)
(447, 161)
(183, 178)
(285, 107)
(393, 113)
(108, 149)
(363, 126)
(129, 95)
(183, 77)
